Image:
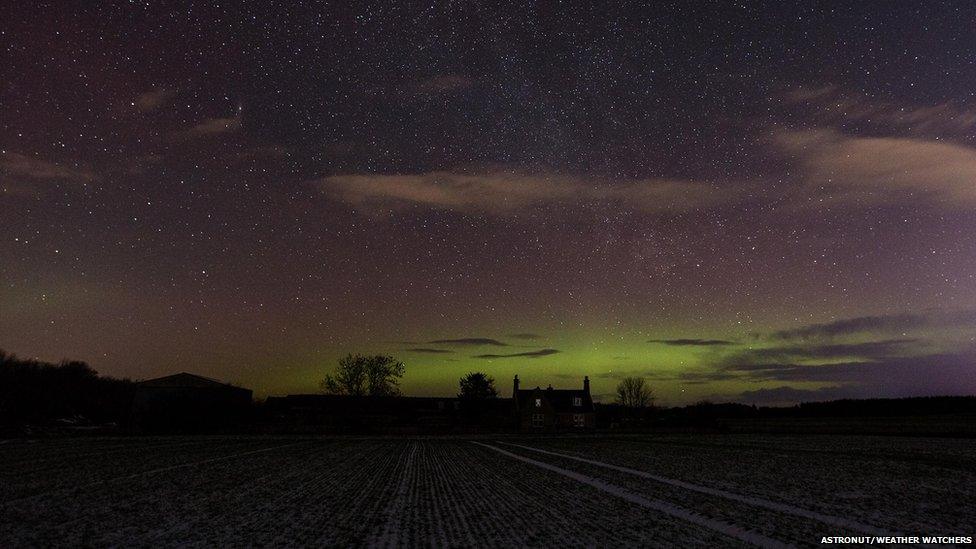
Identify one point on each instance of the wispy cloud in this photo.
(470, 341)
(33, 167)
(880, 324)
(849, 326)
(833, 106)
(946, 373)
(870, 350)
(153, 100)
(691, 377)
(692, 342)
(884, 355)
(428, 350)
(840, 169)
(507, 193)
(527, 354)
(211, 127)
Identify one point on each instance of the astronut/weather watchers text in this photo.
(871, 540)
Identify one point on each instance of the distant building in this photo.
(553, 409)
(188, 403)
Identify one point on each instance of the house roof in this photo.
(561, 400)
(186, 380)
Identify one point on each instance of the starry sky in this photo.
(766, 203)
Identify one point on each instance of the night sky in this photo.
(766, 203)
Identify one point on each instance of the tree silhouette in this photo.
(633, 392)
(36, 392)
(359, 375)
(477, 386)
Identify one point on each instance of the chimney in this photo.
(515, 390)
(586, 384)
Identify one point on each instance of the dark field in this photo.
(683, 490)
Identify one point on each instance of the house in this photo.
(553, 409)
(188, 403)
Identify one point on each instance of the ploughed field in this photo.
(715, 490)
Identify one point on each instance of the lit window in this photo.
(538, 403)
(577, 401)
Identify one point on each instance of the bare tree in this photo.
(359, 375)
(634, 393)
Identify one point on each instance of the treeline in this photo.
(704, 414)
(852, 408)
(885, 407)
(33, 392)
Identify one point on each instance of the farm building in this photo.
(188, 403)
(553, 409)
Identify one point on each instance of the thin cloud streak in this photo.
(32, 167)
(428, 350)
(834, 106)
(509, 193)
(850, 326)
(527, 354)
(692, 342)
(470, 341)
(211, 127)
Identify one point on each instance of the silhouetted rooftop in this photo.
(186, 380)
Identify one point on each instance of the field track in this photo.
(748, 500)
(715, 491)
(657, 505)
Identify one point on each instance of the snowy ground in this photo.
(510, 491)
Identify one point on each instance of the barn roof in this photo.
(186, 380)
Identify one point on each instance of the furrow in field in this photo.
(459, 475)
(394, 510)
(457, 494)
(454, 502)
